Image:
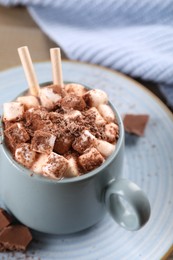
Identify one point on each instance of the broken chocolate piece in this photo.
(135, 124)
(15, 238)
(5, 219)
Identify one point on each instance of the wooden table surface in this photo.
(17, 29)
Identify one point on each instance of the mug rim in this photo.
(39, 177)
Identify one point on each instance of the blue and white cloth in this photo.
(132, 36)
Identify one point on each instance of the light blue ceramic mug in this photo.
(70, 205)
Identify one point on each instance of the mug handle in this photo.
(127, 204)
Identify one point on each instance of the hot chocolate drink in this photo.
(64, 132)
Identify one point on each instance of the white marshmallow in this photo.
(55, 166)
(111, 132)
(38, 164)
(86, 135)
(104, 147)
(106, 112)
(95, 97)
(84, 141)
(43, 142)
(41, 113)
(99, 120)
(72, 170)
(28, 101)
(77, 89)
(72, 115)
(48, 97)
(24, 155)
(13, 111)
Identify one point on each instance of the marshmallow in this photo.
(95, 97)
(91, 159)
(25, 155)
(43, 142)
(57, 89)
(55, 166)
(84, 141)
(35, 116)
(72, 170)
(39, 162)
(76, 89)
(106, 112)
(38, 119)
(43, 125)
(28, 101)
(104, 147)
(55, 117)
(111, 132)
(72, 115)
(17, 134)
(13, 111)
(99, 120)
(71, 101)
(48, 97)
(36, 113)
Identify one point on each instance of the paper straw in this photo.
(29, 70)
(55, 55)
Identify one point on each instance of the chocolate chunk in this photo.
(135, 124)
(15, 238)
(5, 219)
(63, 144)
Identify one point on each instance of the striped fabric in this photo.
(132, 36)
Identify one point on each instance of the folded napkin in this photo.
(131, 36)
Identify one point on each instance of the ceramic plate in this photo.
(148, 162)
